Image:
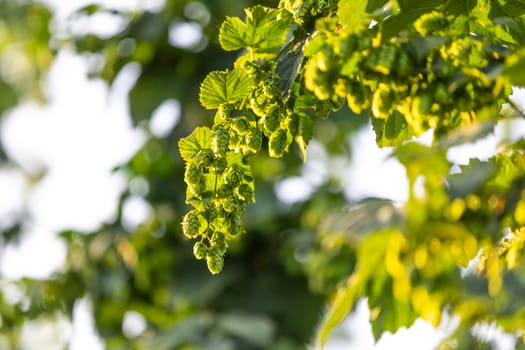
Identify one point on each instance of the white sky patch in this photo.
(38, 254)
(491, 333)
(165, 117)
(81, 200)
(293, 189)
(505, 132)
(315, 169)
(103, 24)
(63, 8)
(78, 138)
(13, 185)
(372, 173)
(84, 336)
(186, 35)
(135, 211)
(45, 333)
(133, 324)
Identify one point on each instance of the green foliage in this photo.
(445, 66)
(264, 31)
(302, 70)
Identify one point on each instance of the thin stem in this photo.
(516, 107)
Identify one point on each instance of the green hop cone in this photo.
(192, 174)
(253, 141)
(241, 125)
(278, 143)
(205, 157)
(271, 120)
(245, 193)
(231, 205)
(233, 175)
(200, 250)
(191, 224)
(218, 242)
(214, 260)
(233, 225)
(220, 142)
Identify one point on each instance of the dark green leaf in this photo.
(288, 67)
(392, 131)
(472, 177)
(373, 5)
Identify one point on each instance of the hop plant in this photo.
(191, 224)
(278, 143)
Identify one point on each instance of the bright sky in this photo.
(73, 138)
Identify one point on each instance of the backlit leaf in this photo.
(351, 13)
(190, 146)
(264, 30)
(221, 87)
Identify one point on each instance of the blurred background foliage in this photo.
(273, 287)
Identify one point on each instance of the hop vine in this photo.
(302, 61)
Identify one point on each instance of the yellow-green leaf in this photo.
(221, 87)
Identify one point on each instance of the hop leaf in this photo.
(224, 87)
(271, 120)
(264, 31)
(254, 141)
(245, 193)
(189, 147)
(231, 205)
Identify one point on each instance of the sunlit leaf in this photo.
(351, 13)
(221, 87)
(190, 146)
(264, 30)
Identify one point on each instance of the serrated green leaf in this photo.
(392, 131)
(351, 13)
(190, 146)
(221, 87)
(265, 30)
